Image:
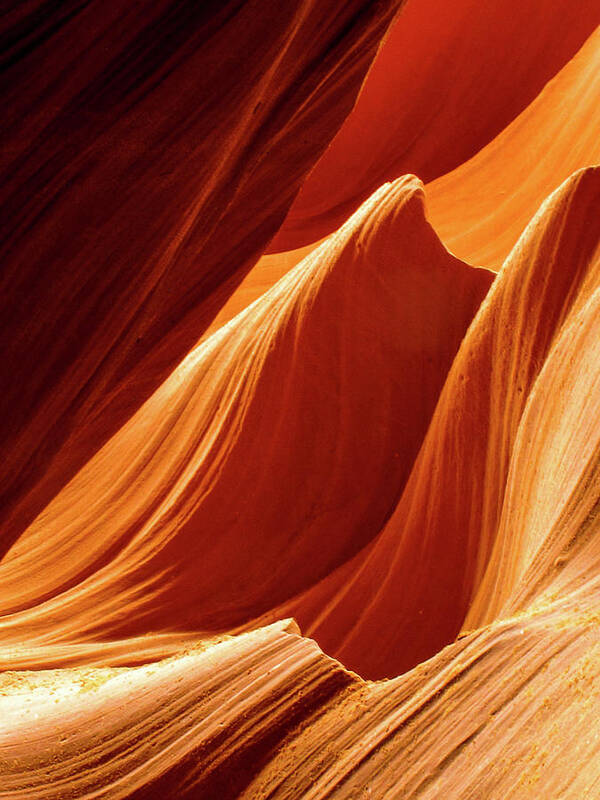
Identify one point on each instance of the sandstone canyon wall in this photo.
(300, 401)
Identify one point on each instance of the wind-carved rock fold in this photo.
(480, 208)
(504, 491)
(198, 725)
(424, 568)
(273, 454)
(510, 709)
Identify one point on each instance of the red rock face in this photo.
(136, 147)
(271, 410)
(448, 79)
(233, 507)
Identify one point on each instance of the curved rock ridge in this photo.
(184, 727)
(139, 150)
(481, 208)
(508, 709)
(448, 78)
(425, 567)
(274, 453)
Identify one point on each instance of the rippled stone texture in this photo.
(340, 538)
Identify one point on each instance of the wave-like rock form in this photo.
(213, 723)
(139, 150)
(480, 209)
(509, 711)
(427, 564)
(448, 79)
(116, 733)
(347, 544)
(272, 455)
(508, 708)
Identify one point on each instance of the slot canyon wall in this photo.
(300, 400)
